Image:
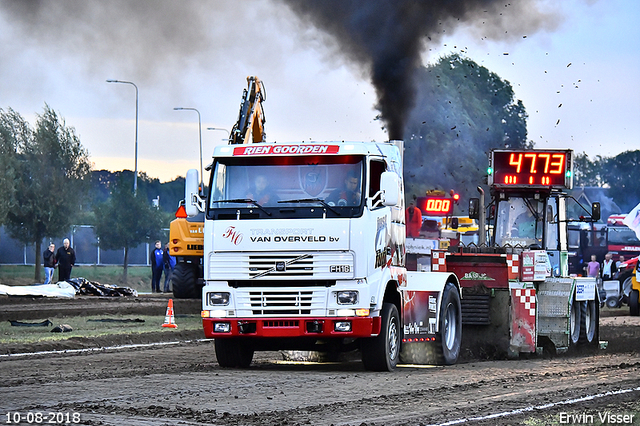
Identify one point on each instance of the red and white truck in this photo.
(304, 249)
(517, 294)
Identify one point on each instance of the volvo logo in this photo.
(281, 266)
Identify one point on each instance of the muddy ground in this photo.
(181, 383)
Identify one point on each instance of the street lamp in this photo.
(200, 133)
(135, 179)
(220, 128)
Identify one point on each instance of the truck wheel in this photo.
(627, 286)
(589, 314)
(450, 336)
(634, 303)
(574, 323)
(381, 353)
(232, 353)
(185, 281)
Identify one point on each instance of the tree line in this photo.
(463, 110)
(47, 186)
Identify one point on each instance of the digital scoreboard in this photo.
(531, 168)
(435, 206)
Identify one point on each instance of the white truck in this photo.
(304, 249)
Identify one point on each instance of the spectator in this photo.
(49, 260)
(608, 269)
(66, 258)
(593, 267)
(413, 219)
(156, 267)
(619, 262)
(168, 264)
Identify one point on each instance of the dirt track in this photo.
(182, 384)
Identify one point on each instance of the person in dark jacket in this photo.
(169, 263)
(49, 261)
(66, 258)
(157, 263)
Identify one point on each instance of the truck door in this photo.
(552, 243)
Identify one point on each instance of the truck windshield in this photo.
(622, 235)
(293, 186)
(519, 221)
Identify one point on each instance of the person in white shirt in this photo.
(608, 268)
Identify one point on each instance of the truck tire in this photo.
(627, 286)
(634, 303)
(574, 323)
(589, 316)
(381, 353)
(232, 352)
(184, 281)
(449, 338)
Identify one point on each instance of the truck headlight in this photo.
(217, 298)
(347, 297)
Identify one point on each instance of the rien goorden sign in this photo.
(273, 149)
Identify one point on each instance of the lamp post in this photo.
(220, 128)
(135, 179)
(200, 134)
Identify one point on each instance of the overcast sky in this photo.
(575, 66)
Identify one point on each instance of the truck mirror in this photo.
(595, 212)
(390, 187)
(474, 208)
(191, 193)
(454, 223)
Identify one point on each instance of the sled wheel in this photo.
(589, 315)
(574, 323)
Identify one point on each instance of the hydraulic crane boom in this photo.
(250, 125)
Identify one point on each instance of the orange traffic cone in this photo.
(169, 319)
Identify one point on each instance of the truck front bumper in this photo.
(353, 327)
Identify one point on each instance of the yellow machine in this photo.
(634, 296)
(186, 238)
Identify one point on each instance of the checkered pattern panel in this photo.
(513, 266)
(438, 261)
(527, 297)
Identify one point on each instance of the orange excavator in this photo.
(186, 237)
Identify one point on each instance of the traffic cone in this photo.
(169, 319)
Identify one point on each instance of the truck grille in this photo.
(320, 266)
(299, 266)
(281, 303)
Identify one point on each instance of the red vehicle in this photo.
(621, 240)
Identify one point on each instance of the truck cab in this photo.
(304, 248)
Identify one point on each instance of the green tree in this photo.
(125, 220)
(621, 174)
(50, 179)
(462, 111)
(14, 132)
(587, 172)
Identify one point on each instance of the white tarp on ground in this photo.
(60, 289)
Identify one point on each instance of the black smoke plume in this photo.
(388, 37)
